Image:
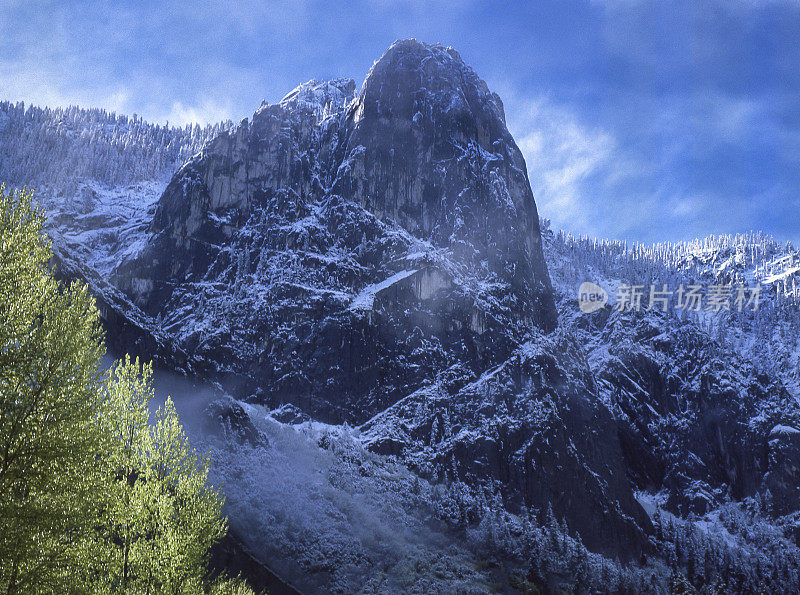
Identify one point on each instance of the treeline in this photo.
(94, 498)
(537, 553)
(768, 336)
(666, 261)
(57, 148)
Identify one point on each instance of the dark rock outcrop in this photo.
(535, 425)
(426, 145)
(693, 418)
(783, 478)
(128, 329)
(230, 556)
(362, 255)
(338, 250)
(227, 419)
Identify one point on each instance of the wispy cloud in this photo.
(639, 120)
(668, 179)
(562, 156)
(571, 164)
(207, 111)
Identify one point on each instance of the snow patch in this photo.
(365, 299)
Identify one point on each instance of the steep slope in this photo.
(706, 403)
(338, 250)
(373, 257)
(349, 253)
(426, 145)
(98, 176)
(536, 426)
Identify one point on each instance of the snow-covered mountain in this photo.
(288, 233)
(364, 272)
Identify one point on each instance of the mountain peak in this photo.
(410, 70)
(323, 97)
(424, 141)
(410, 198)
(412, 47)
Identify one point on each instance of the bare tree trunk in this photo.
(126, 549)
(12, 581)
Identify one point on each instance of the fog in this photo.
(326, 518)
(190, 396)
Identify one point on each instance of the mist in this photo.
(315, 506)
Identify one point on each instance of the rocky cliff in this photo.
(368, 265)
(377, 256)
(354, 244)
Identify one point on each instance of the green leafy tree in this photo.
(162, 516)
(93, 497)
(50, 349)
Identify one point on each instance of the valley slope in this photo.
(366, 268)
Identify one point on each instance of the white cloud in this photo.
(656, 183)
(562, 154)
(688, 206)
(208, 112)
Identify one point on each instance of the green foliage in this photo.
(229, 586)
(50, 349)
(162, 517)
(94, 497)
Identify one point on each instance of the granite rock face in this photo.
(536, 426)
(376, 257)
(426, 144)
(373, 258)
(339, 249)
(694, 420)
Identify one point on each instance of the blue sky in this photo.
(640, 121)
